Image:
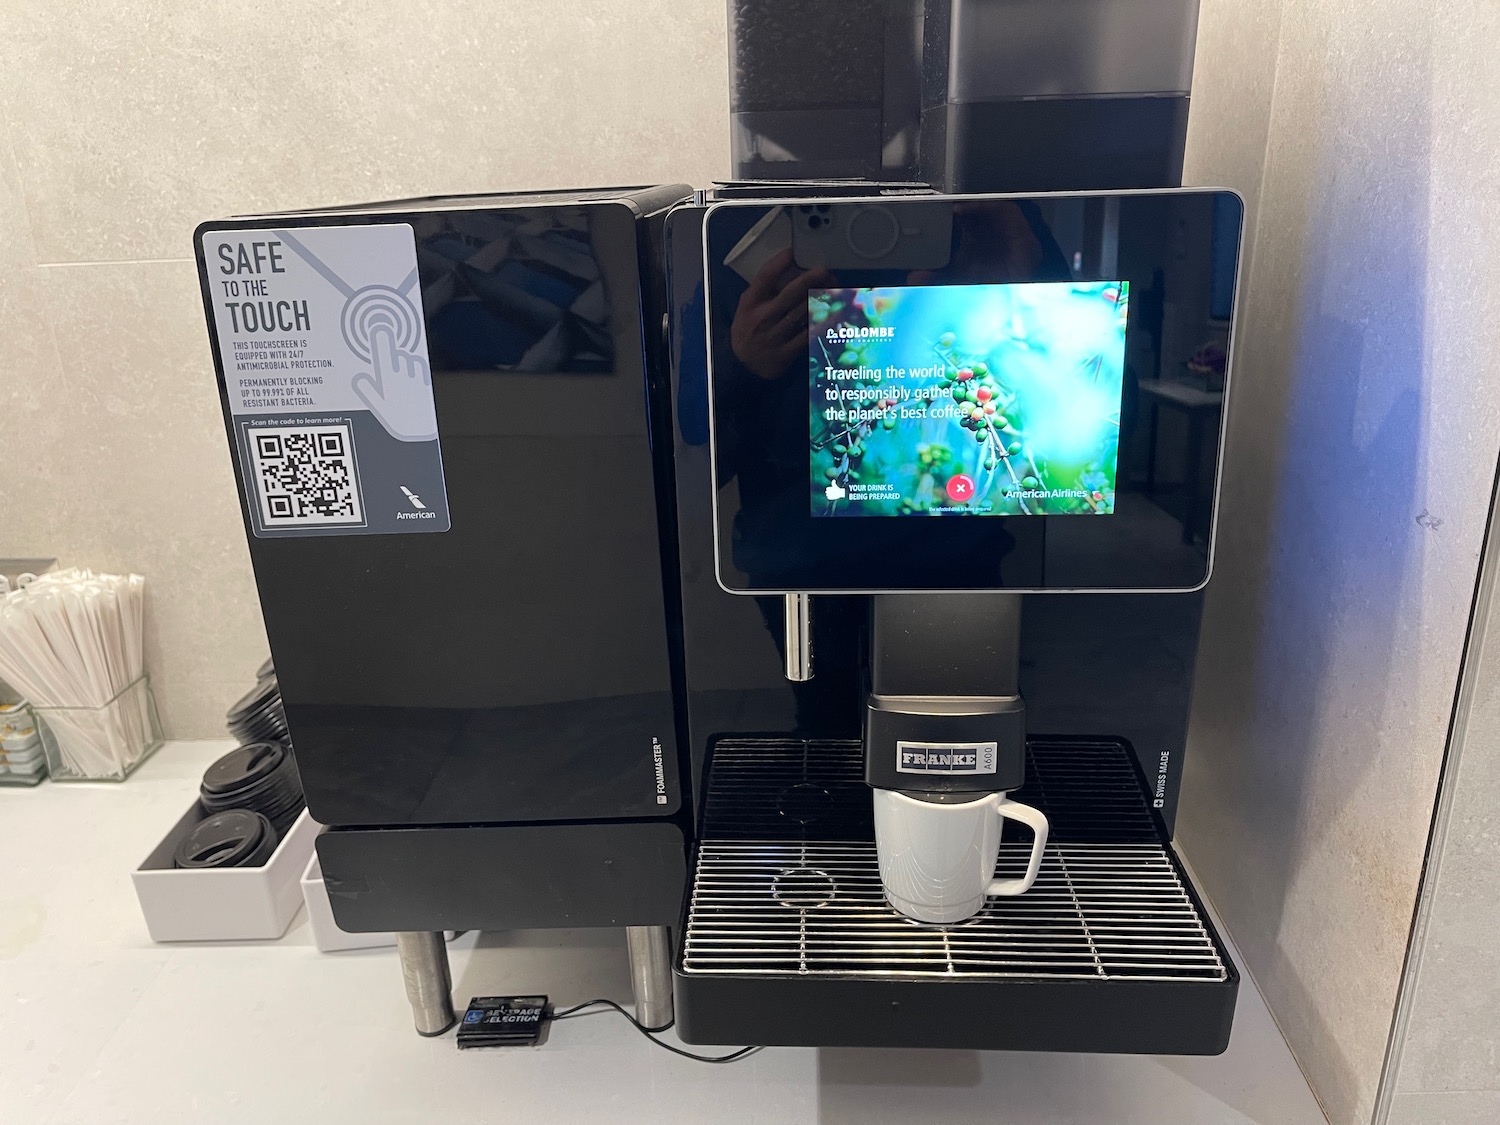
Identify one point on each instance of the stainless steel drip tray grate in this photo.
(779, 789)
(788, 938)
(1101, 912)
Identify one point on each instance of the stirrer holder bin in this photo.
(104, 743)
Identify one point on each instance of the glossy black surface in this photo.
(1116, 665)
(1135, 1017)
(505, 877)
(945, 671)
(1163, 244)
(732, 645)
(517, 667)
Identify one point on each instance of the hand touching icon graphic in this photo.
(398, 389)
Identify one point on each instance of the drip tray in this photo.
(788, 938)
(1097, 912)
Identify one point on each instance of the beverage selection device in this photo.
(803, 574)
(929, 496)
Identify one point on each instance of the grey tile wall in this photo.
(1464, 1107)
(122, 128)
(1362, 440)
(1445, 1063)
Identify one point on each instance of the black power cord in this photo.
(652, 1032)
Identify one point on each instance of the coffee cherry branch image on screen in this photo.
(966, 399)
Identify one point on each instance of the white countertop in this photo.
(100, 1025)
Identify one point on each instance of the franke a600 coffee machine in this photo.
(702, 563)
(928, 558)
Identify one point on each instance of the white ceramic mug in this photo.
(937, 858)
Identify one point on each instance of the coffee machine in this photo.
(932, 607)
(566, 639)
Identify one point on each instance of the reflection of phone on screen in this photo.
(761, 243)
(911, 234)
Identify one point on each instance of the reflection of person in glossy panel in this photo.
(769, 331)
(995, 241)
(762, 392)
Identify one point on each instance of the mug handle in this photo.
(1036, 820)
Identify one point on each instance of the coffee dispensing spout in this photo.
(944, 713)
(945, 743)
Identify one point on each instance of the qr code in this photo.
(305, 476)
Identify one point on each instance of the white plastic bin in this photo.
(227, 904)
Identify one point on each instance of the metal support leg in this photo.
(651, 973)
(424, 965)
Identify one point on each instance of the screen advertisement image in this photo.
(998, 399)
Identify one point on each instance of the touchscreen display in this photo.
(985, 400)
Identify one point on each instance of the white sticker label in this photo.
(324, 353)
(946, 757)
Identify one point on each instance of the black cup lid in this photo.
(254, 700)
(243, 767)
(265, 720)
(237, 838)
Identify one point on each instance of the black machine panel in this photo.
(516, 667)
(733, 646)
(504, 877)
(1091, 664)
